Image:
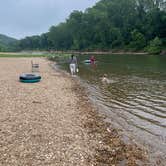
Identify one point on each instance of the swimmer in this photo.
(105, 79)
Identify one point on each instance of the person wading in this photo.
(73, 65)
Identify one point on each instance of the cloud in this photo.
(20, 18)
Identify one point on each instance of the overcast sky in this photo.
(20, 18)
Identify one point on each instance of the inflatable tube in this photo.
(30, 78)
(30, 81)
(87, 61)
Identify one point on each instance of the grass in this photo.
(13, 55)
(26, 55)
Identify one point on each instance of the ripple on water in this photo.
(138, 107)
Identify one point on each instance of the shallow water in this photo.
(135, 98)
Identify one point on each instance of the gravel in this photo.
(52, 122)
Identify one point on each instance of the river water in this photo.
(134, 100)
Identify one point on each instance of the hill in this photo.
(6, 43)
(5, 40)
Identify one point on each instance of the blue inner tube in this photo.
(30, 81)
(30, 78)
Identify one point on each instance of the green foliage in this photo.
(138, 41)
(154, 46)
(110, 24)
(2, 48)
(7, 43)
(34, 43)
(6, 40)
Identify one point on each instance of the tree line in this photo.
(109, 25)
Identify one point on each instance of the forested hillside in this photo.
(7, 43)
(111, 24)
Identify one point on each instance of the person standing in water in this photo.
(73, 65)
(92, 60)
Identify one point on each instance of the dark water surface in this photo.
(135, 98)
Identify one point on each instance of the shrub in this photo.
(155, 46)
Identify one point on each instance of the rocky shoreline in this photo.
(54, 123)
(110, 149)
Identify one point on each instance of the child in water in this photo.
(105, 79)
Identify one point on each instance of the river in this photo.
(135, 98)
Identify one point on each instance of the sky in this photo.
(20, 18)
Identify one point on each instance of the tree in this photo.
(110, 24)
(138, 41)
(60, 37)
(44, 42)
(155, 46)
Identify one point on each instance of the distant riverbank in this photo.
(98, 52)
(47, 53)
(34, 53)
